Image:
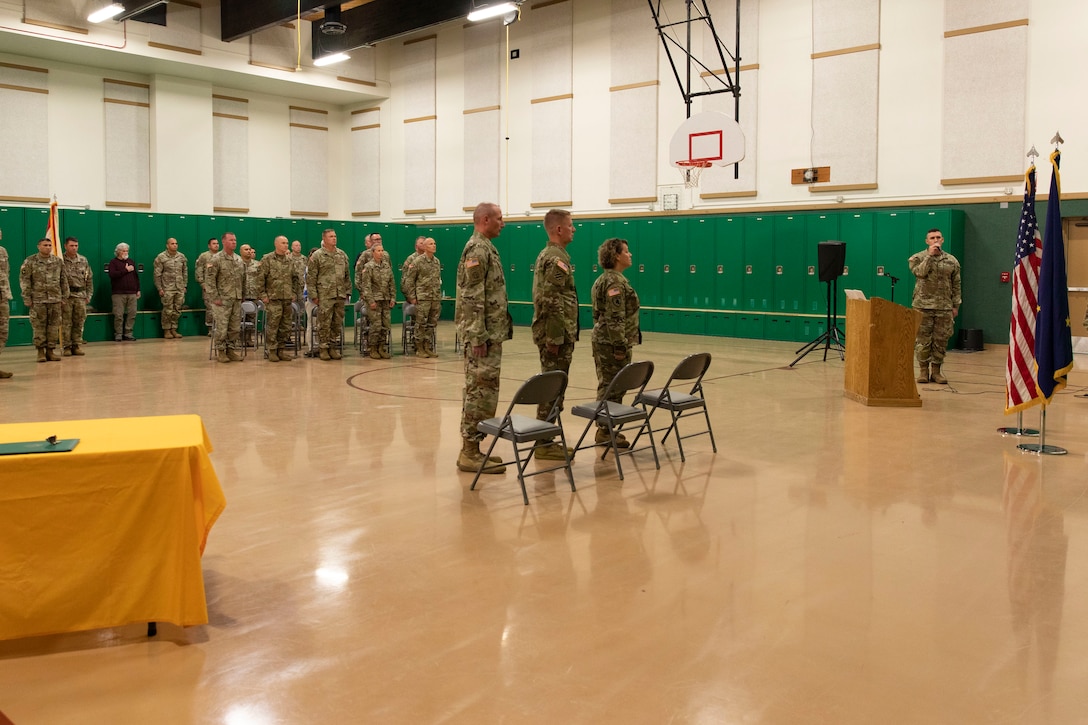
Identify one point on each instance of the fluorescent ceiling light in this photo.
(330, 59)
(491, 11)
(105, 13)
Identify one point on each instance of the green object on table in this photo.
(49, 445)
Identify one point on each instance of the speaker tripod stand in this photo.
(832, 337)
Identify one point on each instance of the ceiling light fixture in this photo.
(105, 13)
(330, 59)
(491, 11)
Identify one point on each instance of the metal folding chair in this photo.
(543, 388)
(408, 329)
(360, 328)
(616, 417)
(249, 324)
(680, 404)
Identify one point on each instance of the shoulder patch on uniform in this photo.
(613, 291)
(563, 265)
(472, 262)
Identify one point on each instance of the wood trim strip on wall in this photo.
(230, 115)
(27, 199)
(483, 109)
(550, 204)
(420, 118)
(750, 66)
(288, 68)
(309, 213)
(228, 209)
(129, 204)
(178, 48)
(366, 213)
(24, 67)
(981, 180)
(629, 86)
(985, 28)
(729, 195)
(549, 99)
(230, 98)
(308, 110)
(846, 51)
(345, 79)
(421, 39)
(842, 187)
(307, 125)
(420, 211)
(633, 200)
(366, 110)
(127, 83)
(367, 127)
(24, 88)
(138, 104)
(56, 26)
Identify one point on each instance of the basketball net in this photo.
(691, 170)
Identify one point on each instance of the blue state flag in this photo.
(1053, 335)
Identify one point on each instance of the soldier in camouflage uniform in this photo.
(615, 323)
(249, 288)
(300, 259)
(937, 297)
(483, 324)
(44, 287)
(555, 311)
(422, 287)
(223, 281)
(279, 283)
(330, 287)
(80, 288)
(199, 269)
(376, 288)
(171, 279)
(409, 259)
(5, 303)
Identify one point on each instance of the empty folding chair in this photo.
(408, 329)
(361, 328)
(541, 389)
(249, 325)
(616, 417)
(681, 404)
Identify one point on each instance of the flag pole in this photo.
(1041, 448)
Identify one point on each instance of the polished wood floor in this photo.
(832, 563)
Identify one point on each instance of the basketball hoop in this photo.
(691, 169)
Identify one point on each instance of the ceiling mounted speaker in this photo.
(332, 25)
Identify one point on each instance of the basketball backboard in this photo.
(707, 137)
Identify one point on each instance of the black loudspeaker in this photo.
(832, 258)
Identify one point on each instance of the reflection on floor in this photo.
(832, 563)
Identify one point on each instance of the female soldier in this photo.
(615, 322)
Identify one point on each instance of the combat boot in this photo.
(552, 452)
(41, 354)
(67, 352)
(78, 351)
(923, 373)
(222, 356)
(935, 374)
(177, 335)
(4, 374)
(51, 356)
(272, 356)
(421, 349)
(334, 353)
(602, 439)
(470, 458)
(234, 355)
(374, 354)
(284, 356)
(385, 354)
(323, 354)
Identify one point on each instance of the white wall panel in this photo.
(24, 132)
(128, 143)
(844, 116)
(551, 152)
(366, 162)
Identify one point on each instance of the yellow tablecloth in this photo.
(110, 533)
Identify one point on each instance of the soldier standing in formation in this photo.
(171, 280)
(5, 303)
(411, 258)
(44, 288)
(223, 280)
(299, 259)
(249, 289)
(937, 297)
(125, 286)
(422, 287)
(200, 268)
(615, 323)
(555, 311)
(279, 283)
(483, 324)
(80, 288)
(376, 288)
(330, 288)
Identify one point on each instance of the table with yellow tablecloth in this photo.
(109, 534)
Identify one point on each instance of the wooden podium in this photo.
(880, 353)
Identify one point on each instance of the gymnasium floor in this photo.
(832, 563)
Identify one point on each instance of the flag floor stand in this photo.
(1019, 430)
(1041, 448)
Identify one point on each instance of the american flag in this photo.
(1020, 389)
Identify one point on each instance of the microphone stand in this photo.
(894, 279)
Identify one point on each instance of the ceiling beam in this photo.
(239, 18)
(383, 19)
